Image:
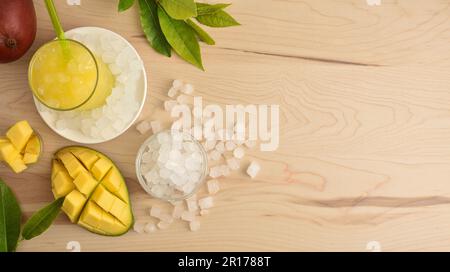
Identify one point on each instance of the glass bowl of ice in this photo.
(171, 165)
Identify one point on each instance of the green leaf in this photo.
(203, 8)
(218, 19)
(42, 219)
(125, 4)
(151, 28)
(201, 33)
(181, 37)
(10, 215)
(179, 9)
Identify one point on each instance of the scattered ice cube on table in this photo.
(206, 203)
(213, 186)
(177, 84)
(215, 155)
(138, 227)
(239, 153)
(155, 211)
(220, 147)
(253, 169)
(194, 225)
(172, 92)
(233, 163)
(177, 211)
(187, 89)
(215, 172)
(204, 212)
(156, 126)
(230, 146)
(169, 104)
(149, 227)
(163, 224)
(188, 216)
(143, 127)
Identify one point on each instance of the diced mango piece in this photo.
(19, 134)
(56, 167)
(17, 164)
(103, 198)
(7, 151)
(73, 204)
(88, 158)
(34, 145)
(29, 158)
(62, 184)
(119, 210)
(100, 168)
(85, 183)
(92, 214)
(123, 193)
(73, 166)
(110, 224)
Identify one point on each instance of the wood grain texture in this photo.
(364, 139)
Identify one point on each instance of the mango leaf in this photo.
(219, 18)
(179, 9)
(201, 33)
(125, 4)
(203, 8)
(150, 26)
(42, 219)
(181, 37)
(10, 215)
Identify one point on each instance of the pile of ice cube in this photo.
(111, 119)
(172, 164)
(224, 156)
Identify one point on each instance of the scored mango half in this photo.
(95, 193)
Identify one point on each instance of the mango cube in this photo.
(73, 204)
(62, 184)
(100, 168)
(56, 167)
(111, 224)
(113, 182)
(34, 145)
(19, 134)
(7, 151)
(29, 158)
(17, 164)
(103, 198)
(73, 166)
(92, 214)
(85, 183)
(119, 210)
(88, 158)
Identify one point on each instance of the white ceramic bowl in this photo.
(79, 137)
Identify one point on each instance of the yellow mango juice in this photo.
(65, 75)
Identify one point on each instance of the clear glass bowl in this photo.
(140, 175)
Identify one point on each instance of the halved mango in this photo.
(105, 207)
(19, 134)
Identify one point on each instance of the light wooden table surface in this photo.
(364, 155)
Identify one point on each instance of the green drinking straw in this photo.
(55, 20)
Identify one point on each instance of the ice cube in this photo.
(215, 172)
(215, 155)
(230, 145)
(206, 203)
(204, 212)
(169, 104)
(163, 224)
(177, 84)
(213, 186)
(224, 170)
(192, 205)
(155, 211)
(210, 144)
(156, 126)
(187, 89)
(253, 169)
(233, 163)
(118, 125)
(172, 92)
(143, 127)
(239, 153)
(177, 211)
(194, 225)
(149, 227)
(220, 147)
(163, 137)
(188, 216)
(164, 173)
(138, 227)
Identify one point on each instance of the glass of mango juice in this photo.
(65, 75)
